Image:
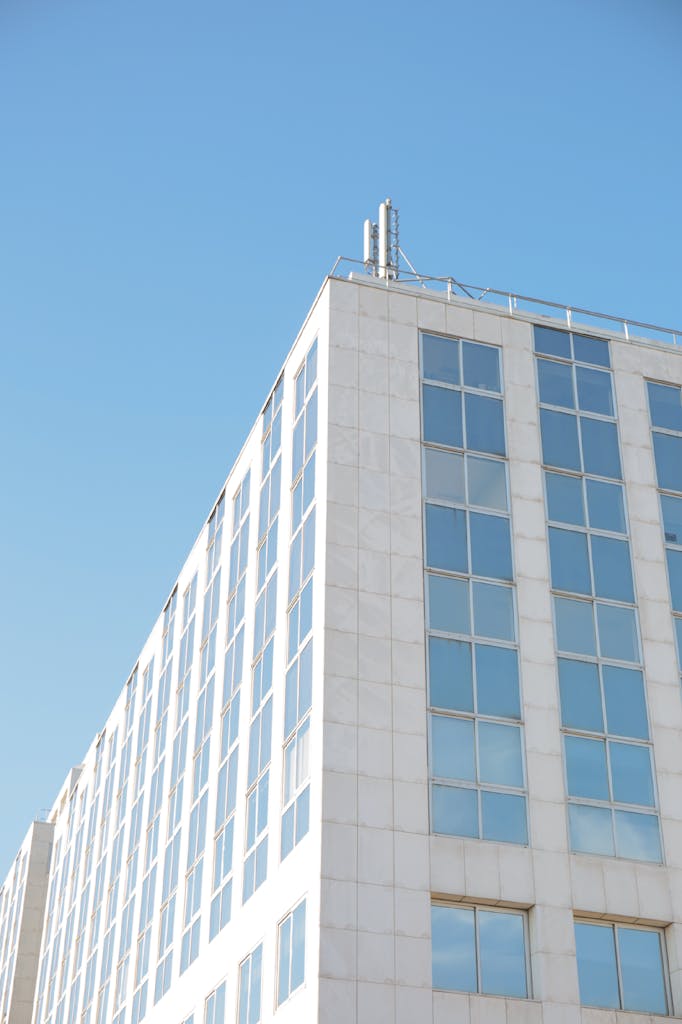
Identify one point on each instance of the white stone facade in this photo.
(369, 865)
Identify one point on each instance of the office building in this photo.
(405, 743)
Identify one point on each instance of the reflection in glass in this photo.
(552, 342)
(597, 973)
(453, 949)
(631, 774)
(617, 629)
(612, 572)
(487, 483)
(565, 499)
(641, 970)
(448, 604)
(493, 611)
(490, 546)
(591, 350)
(594, 391)
(452, 748)
(450, 679)
(668, 455)
(590, 828)
(601, 455)
(625, 703)
(504, 818)
(665, 406)
(497, 681)
(675, 577)
(440, 358)
(502, 952)
(499, 754)
(637, 836)
(484, 424)
(581, 706)
(605, 506)
(454, 811)
(586, 768)
(570, 561)
(481, 364)
(555, 381)
(442, 410)
(443, 475)
(559, 439)
(574, 626)
(446, 538)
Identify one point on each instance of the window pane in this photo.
(497, 681)
(591, 829)
(631, 774)
(594, 390)
(625, 704)
(298, 947)
(453, 948)
(672, 519)
(504, 817)
(591, 350)
(586, 768)
(450, 682)
(443, 475)
(552, 342)
(555, 381)
(668, 454)
(580, 695)
(596, 953)
(617, 633)
(641, 970)
(441, 358)
(559, 439)
(499, 754)
(448, 604)
(600, 448)
(678, 636)
(611, 565)
(605, 506)
(455, 811)
(490, 546)
(502, 954)
(493, 611)
(570, 562)
(484, 424)
(487, 483)
(283, 988)
(442, 409)
(665, 406)
(574, 626)
(446, 538)
(675, 576)
(565, 499)
(481, 365)
(452, 748)
(637, 836)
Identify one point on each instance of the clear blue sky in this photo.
(175, 181)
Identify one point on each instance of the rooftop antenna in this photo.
(381, 250)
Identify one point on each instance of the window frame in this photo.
(614, 926)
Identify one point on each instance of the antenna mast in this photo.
(381, 243)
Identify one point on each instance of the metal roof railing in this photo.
(523, 306)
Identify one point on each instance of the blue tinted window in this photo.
(672, 518)
(487, 482)
(559, 439)
(605, 506)
(565, 499)
(497, 681)
(668, 455)
(600, 448)
(450, 676)
(665, 406)
(490, 546)
(454, 811)
(502, 954)
(675, 577)
(591, 350)
(591, 829)
(446, 538)
(570, 562)
(499, 754)
(555, 381)
(612, 572)
(552, 342)
(442, 416)
(481, 365)
(594, 390)
(453, 946)
(448, 602)
(617, 629)
(597, 972)
(638, 836)
(452, 748)
(625, 703)
(493, 611)
(443, 475)
(503, 818)
(631, 774)
(574, 626)
(441, 358)
(586, 768)
(641, 970)
(581, 706)
(484, 424)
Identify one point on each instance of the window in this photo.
(607, 753)
(291, 953)
(214, 1007)
(296, 797)
(621, 968)
(477, 950)
(250, 987)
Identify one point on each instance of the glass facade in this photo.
(610, 778)
(477, 763)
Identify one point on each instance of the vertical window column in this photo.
(607, 749)
(476, 739)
